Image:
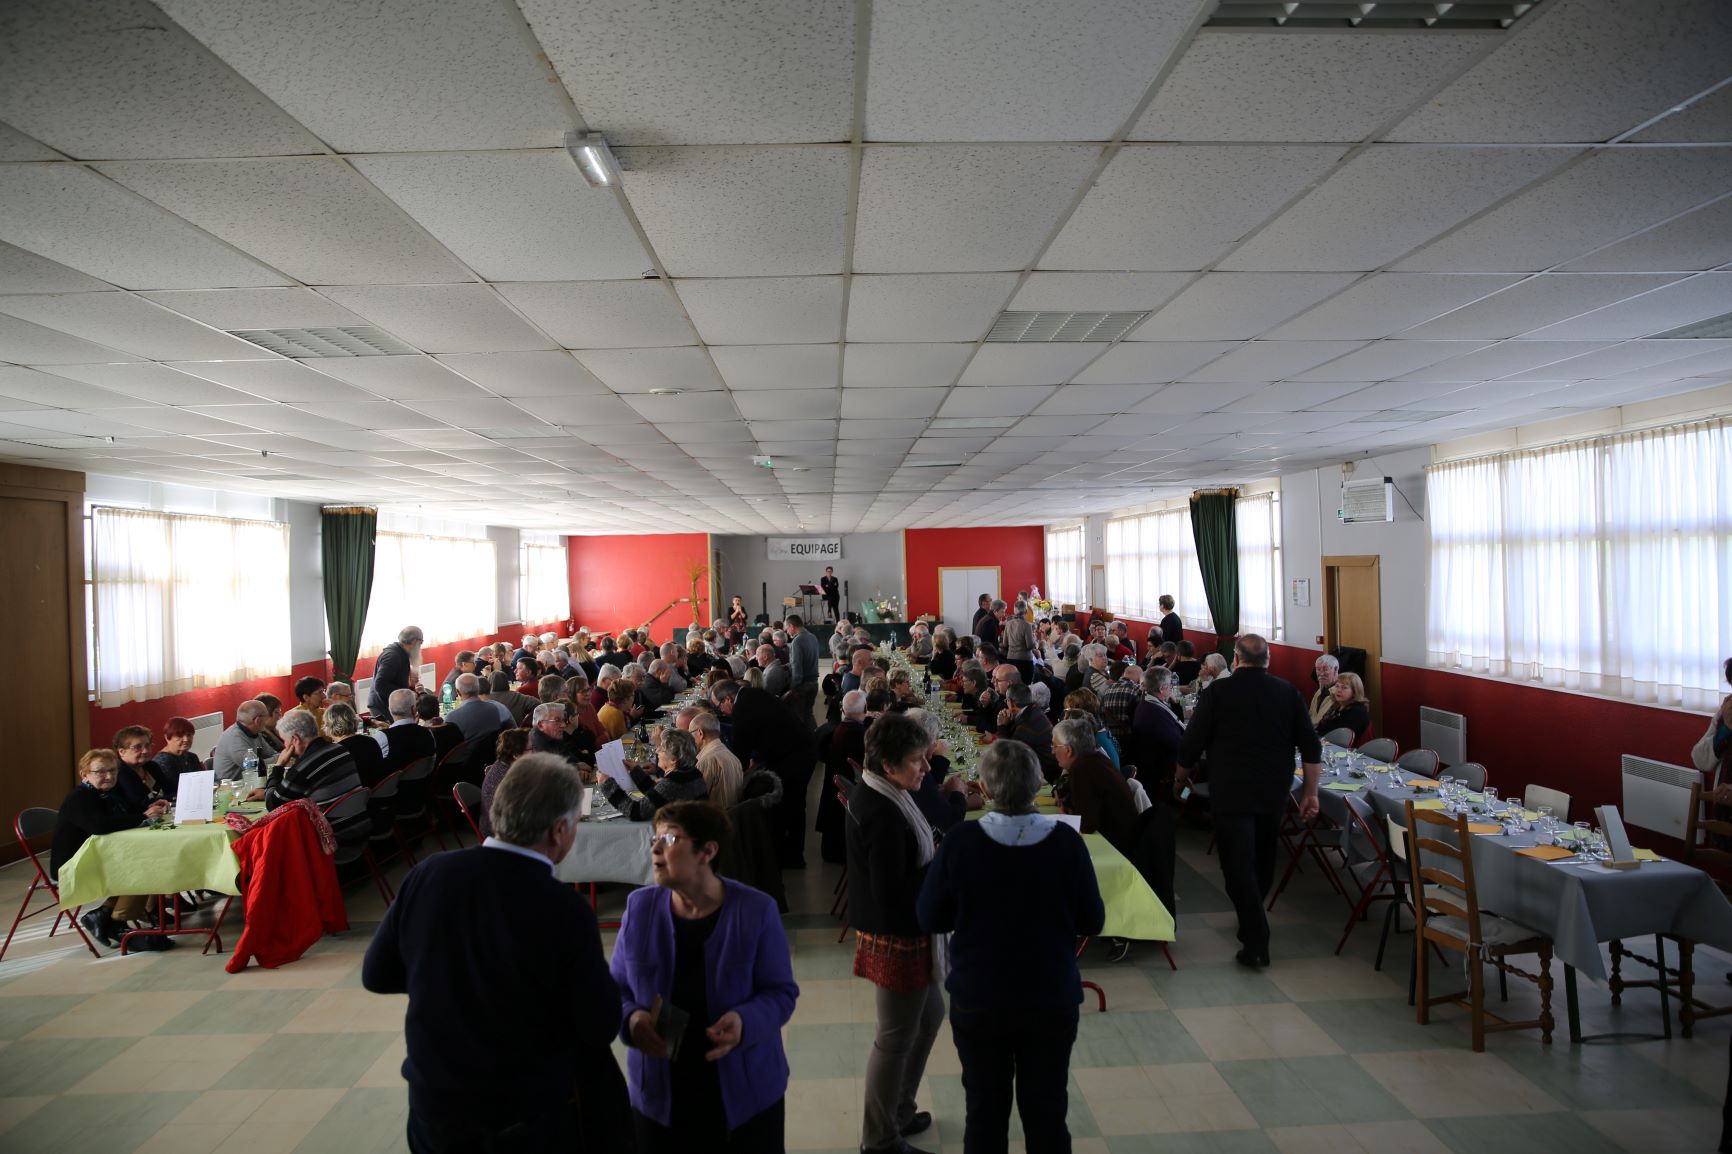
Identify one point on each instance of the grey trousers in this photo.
(907, 1025)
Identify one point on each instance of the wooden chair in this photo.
(1446, 905)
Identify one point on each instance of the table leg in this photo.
(1574, 1011)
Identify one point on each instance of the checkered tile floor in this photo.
(167, 1053)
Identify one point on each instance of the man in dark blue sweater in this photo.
(511, 1006)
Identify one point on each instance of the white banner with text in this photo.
(825, 549)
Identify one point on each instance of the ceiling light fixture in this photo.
(665, 392)
(594, 158)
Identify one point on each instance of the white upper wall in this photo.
(871, 563)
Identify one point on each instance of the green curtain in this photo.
(346, 543)
(1216, 529)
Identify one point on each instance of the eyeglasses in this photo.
(137, 747)
(667, 840)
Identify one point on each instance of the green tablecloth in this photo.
(152, 861)
(1133, 910)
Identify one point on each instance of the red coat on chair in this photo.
(289, 883)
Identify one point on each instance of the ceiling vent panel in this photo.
(1408, 14)
(1714, 328)
(320, 344)
(1061, 328)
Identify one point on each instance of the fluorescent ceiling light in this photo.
(594, 158)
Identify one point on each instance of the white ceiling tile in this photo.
(693, 430)
(770, 431)
(1097, 291)
(788, 404)
(1151, 362)
(1701, 239)
(477, 413)
(1383, 360)
(1290, 397)
(111, 423)
(1659, 357)
(1227, 306)
(127, 322)
(458, 318)
(1272, 361)
(72, 215)
(26, 343)
(1182, 206)
(945, 307)
(1708, 119)
(719, 212)
(1696, 299)
(1584, 70)
(387, 76)
(1387, 303)
(1388, 200)
(640, 370)
(272, 418)
(979, 70)
(994, 402)
(14, 145)
(765, 310)
(1099, 399)
(170, 420)
(533, 374)
(1502, 360)
(777, 72)
(903, 366)
(400, 378)
(55, 391)
(514, 215)
(1607, 196)
(1714, 363)
(277, 380)
(877, 429)
(158, 384)
(870, 404)
(777, 366)
(579, 412)
(312, 217)
(960, 208)
(22, 271)
(1298, 85)
(1028, 364)
(111, 78)
(266, 308)
(1535, 302)
(1196, 397)
(603, 314)
(708, 407)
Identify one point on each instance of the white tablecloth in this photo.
(609, 851)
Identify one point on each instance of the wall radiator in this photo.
(206, 728)
(1443, 733)
(1657, 795)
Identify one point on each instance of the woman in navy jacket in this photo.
(709, 1074)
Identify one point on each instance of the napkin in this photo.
(1545, 852)
(1648, 855)
(1483, 827)
(1434, 803)
(1345, 786)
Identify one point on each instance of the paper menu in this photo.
(195, 797)
(1071, 819)
(610, 760)
(1617, 840)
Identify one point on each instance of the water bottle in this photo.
(445, 695)
(250, 772)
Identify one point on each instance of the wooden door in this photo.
(1353, 615)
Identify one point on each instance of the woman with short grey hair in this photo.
(679, 780)
(1017, 884)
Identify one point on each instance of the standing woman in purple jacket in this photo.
(708, 1074)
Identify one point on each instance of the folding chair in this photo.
(1384, 749)
(1375, 874)
(1447, 906)
(839, 907)
(1301, 837)
(414, 809)
(1472, 773)
(1342, 737)
(1423, 762)
(31, 824)
(467, 795)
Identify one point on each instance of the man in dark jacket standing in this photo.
(508, 1048)
(767, 729)
(1248, 725)
(395, 668)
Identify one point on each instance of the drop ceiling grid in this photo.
(487, 388)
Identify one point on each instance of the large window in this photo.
(446, 585)
(1064, 566)
(1603, 565)
(1258, 517)
(1151, 555)
(543, 582)
(185, 602)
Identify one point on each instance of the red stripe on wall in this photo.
(1019, 551)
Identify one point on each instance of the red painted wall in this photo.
(1018, 550)
(621, 582)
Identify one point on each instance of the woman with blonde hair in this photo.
(1349, 708)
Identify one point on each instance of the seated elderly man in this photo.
(554, 733)
(722, 771)
(473, 717)
(404, 741)
(313, 767)
(1215, 668)
(465, 663)
(1097, 792)
(501, 715)
(1119, 699)
(245, 736)
(775, 670)
(675, 656)
(341, 693)
(1022, 720)
(1328, 672)
(860, 665)
(656, 689)
(530, 644)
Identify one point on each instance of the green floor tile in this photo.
(306, 1061)
(1374, 1025)
(1310, 1091)
(52, 1065)
(18, 1016)
(833, 1051)
(183, 969)
(1599, 1077)
(1154, 1037)
(240, 1012)
(1212, 985)
(1521, 1134)
(362, 1122)
(1213, 1142)
(93, 1122)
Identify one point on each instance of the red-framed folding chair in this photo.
(467, 795)
(40, 822)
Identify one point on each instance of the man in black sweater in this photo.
(395, 668)
(1248, 725)
(766, 728)
(509, 1020)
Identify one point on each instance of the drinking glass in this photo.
(1490, 795)
(1545, 822)
(1579, 835)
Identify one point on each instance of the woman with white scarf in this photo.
(890, 845)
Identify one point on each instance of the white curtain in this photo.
(1064, 566)
(186, 602)
(543, 583)
(1258, 519)
(446, 585)
(1151, 555)
(1603, 565)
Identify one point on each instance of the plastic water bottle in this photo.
(445, 696)
(250, 771)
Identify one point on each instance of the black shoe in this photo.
(1251, 961)
(100, 927)
(149, 943)
(919, 1124)
(1117, 949)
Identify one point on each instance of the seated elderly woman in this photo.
(273, 714)
(96, 806)
(513, 744)
(176, 755)
(680, 778)
(615, 716)
(1349, 708)
(1015, 884)
(343, 726)
(1084, 702)
(714, 1077)
(140, 781)
(1214, 669)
